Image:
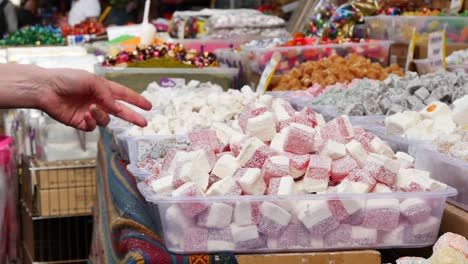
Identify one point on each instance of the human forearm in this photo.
(21, 85)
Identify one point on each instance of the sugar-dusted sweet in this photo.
(379, 146)
(317, 218)
(450, 248)
(342, 167)
(355, 219)
(277, 143)
(361, 180)
(246, 213)
(162, 186)
(247, 237)
(299, 139)
(412, 260)
(406, 161)
(338, 129)
(413, 180)
(363, 236)
(195, 239)
(297, 164)
(395, 236)
(195, 169)
(258, 158)
(217, 215)
(249, 147)
(382, 214)
(275, 167)
(274, 219)
(318, 174)
(381, 188)
(344, 208)
(251, 110)
(423, 232)
(220, 239)
(176, 220)
(281, 186)
(189, 189)
(224, 187)
(365, 138)
(382, 168)
(224, 133)
(205, 139)
(334, 150)
(262, 126)
(357, 151)
(416, 210)
(295, 235)
(282, 109)
(400, 122)
(251, 181)
(339, 237)
(225, 166)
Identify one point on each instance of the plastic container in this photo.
(140, 175)
(400, 28)
(292, 57)
(463, 67)
(230, 58)
(397, 143)
(444, 168)
(183, 234)
(139, 78)
(210, 45)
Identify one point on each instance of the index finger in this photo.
(131, 116)
(120, 92)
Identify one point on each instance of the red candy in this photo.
(297, 164)
(205, 139)
(275, 167)
(300, 139)
(196, 239)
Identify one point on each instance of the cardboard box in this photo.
(65, 201)
(361, 257)
(454, 220)
(54, 175)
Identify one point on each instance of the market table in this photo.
(124, 230)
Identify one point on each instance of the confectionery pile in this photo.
(458, 58)
(195, 105)
(435, 120)
(395, 94)
(167, 55)
(332, 70)
(449, 248)
(272, 149)
(33, 36)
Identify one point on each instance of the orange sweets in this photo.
(332, 70)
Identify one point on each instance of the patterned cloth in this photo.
(124, 231)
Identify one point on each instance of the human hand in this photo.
(83, 100)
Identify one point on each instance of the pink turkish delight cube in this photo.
(382, 214)
(196, 239)
(340, 168)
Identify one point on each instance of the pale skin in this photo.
(73, 97)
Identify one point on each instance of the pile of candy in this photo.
(196, 105)
(455, 144)
(395, 94)
(458, 57)
(33, 36)
(332, 70)
(437, 119)
(292, 56)
(152, 53)
(272, 149)
(449, 248)
(88, 27)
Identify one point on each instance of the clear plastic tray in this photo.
(139, 78)
(140, 175)
(211, 45)
(399, 28)
(338, 232)
(292, 57)
(452, 68)
(229, 58)
(397, 143)
(444, 168)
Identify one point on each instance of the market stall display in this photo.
(332, 70)
(197, 191)
(34, 36)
